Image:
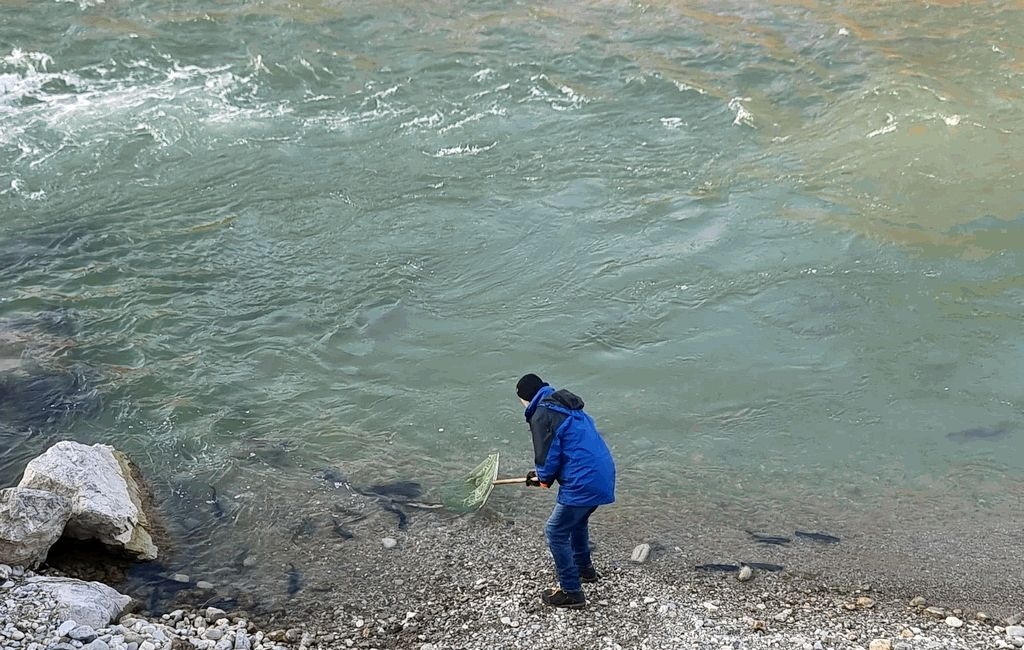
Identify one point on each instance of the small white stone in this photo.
(178, 577)
(65, 627)
(746, 573)
(389, 542)
(953, 621)
(203, 584)
(648, 600)
(640, 553)
(1015, 631)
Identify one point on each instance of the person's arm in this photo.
(547, 449)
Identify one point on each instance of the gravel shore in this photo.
(473, 582)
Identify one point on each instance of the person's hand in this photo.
(531, 478)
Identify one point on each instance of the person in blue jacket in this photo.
(568, 450)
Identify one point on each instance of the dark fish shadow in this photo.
(993, 432)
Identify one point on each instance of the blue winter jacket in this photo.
(568, 449)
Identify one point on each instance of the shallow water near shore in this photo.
(776, 248)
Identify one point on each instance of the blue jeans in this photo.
(569, 541)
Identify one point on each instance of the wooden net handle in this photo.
(507, 481)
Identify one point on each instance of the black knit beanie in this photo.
(528, 386)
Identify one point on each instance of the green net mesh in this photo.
(479, 483)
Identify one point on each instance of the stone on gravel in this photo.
(918, 601)
(640, 553)
(953, 621)
(106, 501)
(880, 644)
(30, 522)
(87, 603)
(937, 612)
(1015, 631)
(746, 573)
(389, 542)
(83, 633)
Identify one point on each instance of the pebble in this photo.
(179, 577)
(83, 633)
(783, 615)
(880, 644)
(918, 601)
(746, 573)
(389, 542)
(1015, 631)
(640, 553)
(66, 627)
(937, 612)
(953, 621)
(865, 603)
(202, 584)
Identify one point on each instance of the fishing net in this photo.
(472, 492)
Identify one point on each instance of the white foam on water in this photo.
(475, 117)
(560, 98)
(673, 122)
(83, 4)
(112, 99)
(684, 87)
(29, 61)
(889, 127)
(426, 121)
(743, 116)
(483, 75)
(462, 150)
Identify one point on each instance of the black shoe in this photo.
(568, 599)
(589, 574)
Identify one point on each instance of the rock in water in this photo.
(106, 497)
(30, 522)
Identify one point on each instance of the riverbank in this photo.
(474, 582)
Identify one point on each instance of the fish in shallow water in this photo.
(993, 432)
(294, 580)
(407, 489)
(769, 539)
(215, 507)
(403, 518)
(305, 528)
(332, 476)
(717, 567)
(764, 566)
(824, 538)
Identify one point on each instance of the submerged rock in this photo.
(105, 493)
(30, 522)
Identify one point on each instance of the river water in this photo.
(777, 247)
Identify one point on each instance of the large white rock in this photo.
(87, 603)
(30, 522)
(105, 498)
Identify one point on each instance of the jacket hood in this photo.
(566, 398)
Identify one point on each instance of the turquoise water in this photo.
(776, 247)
